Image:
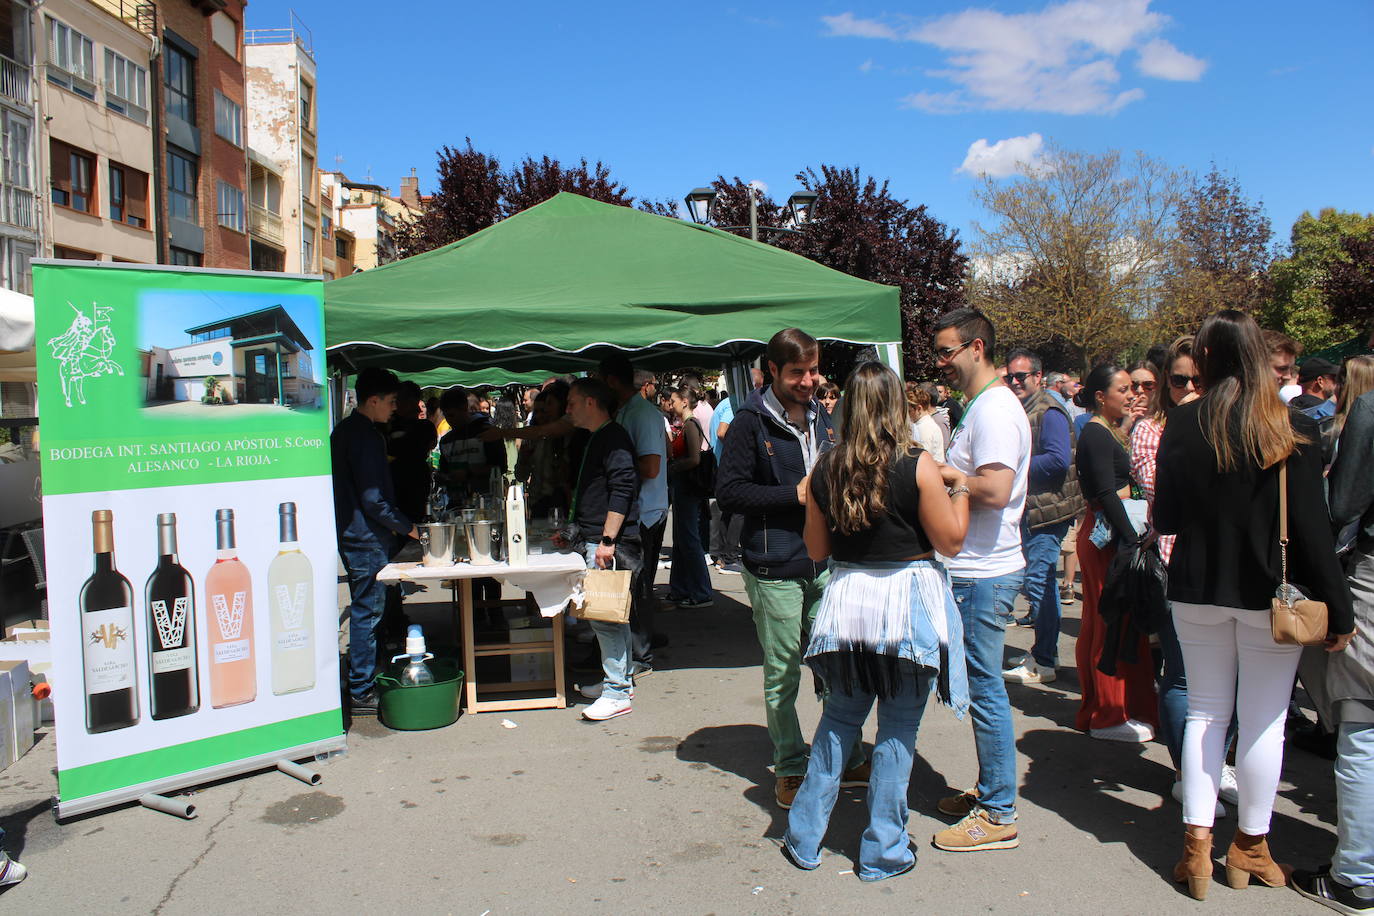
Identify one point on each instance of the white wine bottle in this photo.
(291, 598)
(107, 636)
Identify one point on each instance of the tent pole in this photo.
(738, 382)
(891, 356)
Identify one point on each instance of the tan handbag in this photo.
(1293, 619)
(606, 595)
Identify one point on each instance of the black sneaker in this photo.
(1026, 621)
(365, 705)
(1320, 886)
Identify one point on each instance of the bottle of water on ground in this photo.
(416, 673)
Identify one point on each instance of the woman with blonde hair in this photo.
(1356, 378)
(887, 629)
(1217, 489)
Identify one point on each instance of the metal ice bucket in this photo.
(486, 542)
(437, 540)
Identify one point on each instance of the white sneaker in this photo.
(594, 691)
(1130, 731)
(606, 708)
(1177, 792)
(1029, 672)
(11, 872)
(1230, 791)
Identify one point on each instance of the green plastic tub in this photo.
(415, 708)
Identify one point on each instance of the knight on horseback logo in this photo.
(85, 351)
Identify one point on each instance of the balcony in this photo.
(17, 207)
(14, 81)
(140, 14)
(265, 224)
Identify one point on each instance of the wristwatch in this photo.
(608, 541)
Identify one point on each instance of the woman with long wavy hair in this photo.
(887, 629)
(1217, 489)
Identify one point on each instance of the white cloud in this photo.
(760, 186)
(1161, 59)
(846, 25)
(1003, 158)
(1061, 59)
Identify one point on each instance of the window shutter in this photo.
(136, 196)
(60, 168)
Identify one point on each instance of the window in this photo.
(308, 181)
(228, 119)
(182, 174)
(73, 254)
(17, 170)
(230, 207)
(71, 59)
(128, 196)
(21, 276)
(307, 105)
(179, 71)
(126, 87)
(225, 33)
(265, 190)
(72, 171)
(183, 258)
(326, 227)
(342, 248)
(308, 250)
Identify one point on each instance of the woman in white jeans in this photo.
(1217, 489)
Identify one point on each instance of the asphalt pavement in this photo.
(667, 810)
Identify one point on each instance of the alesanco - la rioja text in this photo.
(107, 636)
(171, 601)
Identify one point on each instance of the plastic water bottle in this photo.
(416, 673)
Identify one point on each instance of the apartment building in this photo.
(286, 215)
(19, 206)
(371, 215)
(202, 148)
(97, 142)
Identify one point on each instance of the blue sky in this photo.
(669, 95)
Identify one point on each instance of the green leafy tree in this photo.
(1299, 305)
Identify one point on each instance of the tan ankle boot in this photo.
(1195, 867)
(1249, 855)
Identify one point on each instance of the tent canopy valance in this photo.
(556, 286)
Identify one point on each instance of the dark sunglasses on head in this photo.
(1178, 381)
(1019, 376)
(1143, 386)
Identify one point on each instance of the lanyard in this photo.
(577, 490)
(969, 409)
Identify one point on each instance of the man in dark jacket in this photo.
(368, 523)
(1053, 501)
(773, 444)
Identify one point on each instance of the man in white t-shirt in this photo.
(991, 444)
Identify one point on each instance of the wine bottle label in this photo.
(232, 651)
(291, 640)
(291, 604)
(229, 615)
(173, 660)
(108, 636)
(171, 626)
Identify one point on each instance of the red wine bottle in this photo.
(107, 636)
(171, 600)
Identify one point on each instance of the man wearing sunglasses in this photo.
(1053, 501)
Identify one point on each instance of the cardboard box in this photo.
(17, 711)
(29, 630)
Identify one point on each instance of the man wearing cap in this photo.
(1317, 378)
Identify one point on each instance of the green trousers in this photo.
(783, 612)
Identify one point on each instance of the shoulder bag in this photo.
(1294, 619)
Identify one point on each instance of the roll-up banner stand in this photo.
(188, 523)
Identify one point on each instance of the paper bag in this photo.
(606, 596)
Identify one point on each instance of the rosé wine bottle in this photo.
(229, 613)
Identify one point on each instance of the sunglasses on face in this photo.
(1020, 377)
(1180, 381)
(1143, 386)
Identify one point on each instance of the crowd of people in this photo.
(885, 531)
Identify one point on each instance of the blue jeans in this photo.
(1353, 864)
(986, 608)
(885, 848)
(614, 639)
(689, 578)
(367, 599)
(1041, 550)
(1172, 687)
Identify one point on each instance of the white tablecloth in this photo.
(553, 579)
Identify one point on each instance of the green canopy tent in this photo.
(556, 286)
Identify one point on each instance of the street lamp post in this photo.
(701, 201)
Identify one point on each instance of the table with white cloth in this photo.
(551, 579)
